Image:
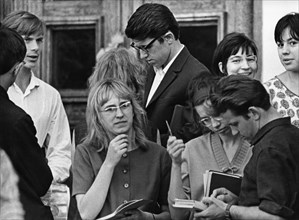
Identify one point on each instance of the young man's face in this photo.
(246, 127)
(154, 52)
(34, 46)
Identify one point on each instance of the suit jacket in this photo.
(172, 90)
(17, 139)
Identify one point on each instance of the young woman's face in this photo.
(34, 46)
(117, 115)
(215, 124)
(288, 51)
(241, 64)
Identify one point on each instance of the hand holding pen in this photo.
(175, 147)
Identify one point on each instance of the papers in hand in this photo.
(133, 204)
(216, 179)
(189, 204)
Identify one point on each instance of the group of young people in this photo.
(118, 158)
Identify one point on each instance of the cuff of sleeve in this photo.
(275, 209)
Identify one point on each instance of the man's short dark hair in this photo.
(150, 21)
(237, 93)
(12, 49)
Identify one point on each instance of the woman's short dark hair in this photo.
(230, 45)
(199, 88)
(198, 94)
(12, 49)
(150, 21)
(237, 93)
(290, 20)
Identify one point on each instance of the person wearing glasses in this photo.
(116, 163)
(155, 33)
(235, 54)
(17, 139)
(270, 184)
(119, 63)
(284, 88)
(221, 149)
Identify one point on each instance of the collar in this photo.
(159, 71)
(268, 127)
(34, 82)
(165, 69)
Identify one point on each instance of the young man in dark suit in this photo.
(155, 35)
(17, 133)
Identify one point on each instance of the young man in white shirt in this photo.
(40, 100)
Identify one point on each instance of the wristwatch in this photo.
(227, 211)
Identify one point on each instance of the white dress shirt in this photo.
(160, 73)
(43, 103)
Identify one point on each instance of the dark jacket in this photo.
(172, 90)
(17, 137)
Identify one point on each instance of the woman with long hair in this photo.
(116, 163)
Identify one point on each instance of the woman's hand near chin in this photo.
(117, 147)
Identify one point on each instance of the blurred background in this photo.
(76, 30)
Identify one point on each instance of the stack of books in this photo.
(216, 179)
(212, 180)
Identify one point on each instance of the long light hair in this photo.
(100, 93)
(120, 63)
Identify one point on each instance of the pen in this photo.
(169, 130)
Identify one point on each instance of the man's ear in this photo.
(254, 113)
(220, 66)
(169, 37)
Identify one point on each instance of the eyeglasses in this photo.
(144, 48)
(207, 121)
(113, 109)
(18, 67)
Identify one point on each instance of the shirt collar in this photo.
(268, 127)
(165, 69)
(34, 82)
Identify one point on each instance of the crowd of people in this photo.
(127, 148)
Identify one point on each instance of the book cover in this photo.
(189, 204)
(217, 179)
(133, 204)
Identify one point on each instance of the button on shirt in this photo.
(143, 173)
(160, 73)
(43, 103)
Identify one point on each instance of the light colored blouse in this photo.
(207, 153)
(283, 100)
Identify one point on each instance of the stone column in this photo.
(240, 16)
